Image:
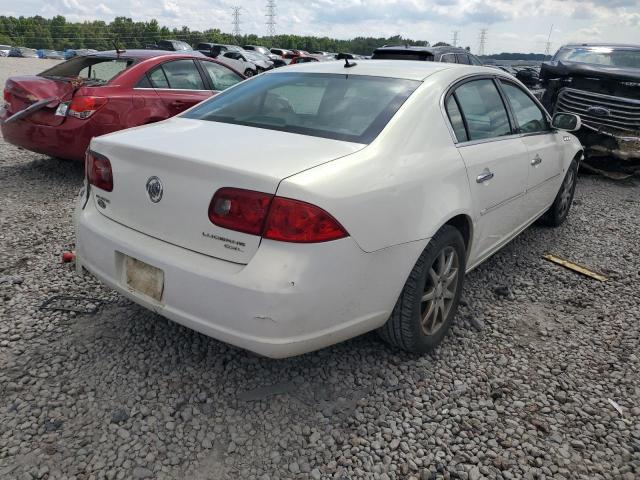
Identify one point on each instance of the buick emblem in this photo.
(154, 189)
(598, 112)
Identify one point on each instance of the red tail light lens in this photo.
(300, 222)
(83, 107)
(275, 218)
(239, 210)
(98, 170)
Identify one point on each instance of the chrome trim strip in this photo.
(502, 203)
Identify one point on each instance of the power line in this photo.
(483, 41)
(236, 21)
(455, 38)
(271, 17)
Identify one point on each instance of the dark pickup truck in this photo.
(601, 83)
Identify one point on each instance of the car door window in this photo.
(530, 118)
(183, 75)
(221, 77)
(455, 117)
(463, 58)
(448, 58)
(483, 110)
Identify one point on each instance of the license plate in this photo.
(144, 278)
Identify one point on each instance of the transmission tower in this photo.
(483, 41)
(271, 17)
(455, 38)
(547, 50)
(236, 20)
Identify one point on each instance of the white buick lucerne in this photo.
(312, 204)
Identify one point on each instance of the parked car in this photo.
(262, 62)
(277, 60)
(283, 54)
(172, 46)
(4, 50)
(22, 52)
(241, 62)
(303, 59)
(70, 53)
(58, 111)
(50, 54)
(429, 54)
(215, 49)
(339, 199)
(601, 83)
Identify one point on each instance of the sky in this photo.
(513, 26)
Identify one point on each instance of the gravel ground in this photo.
(519, 389)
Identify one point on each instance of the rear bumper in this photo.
(68, 140)
(290, 298)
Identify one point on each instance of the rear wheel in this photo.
(557, 214)
(248, 73)
(428, 302)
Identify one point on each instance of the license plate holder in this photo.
(143, 278)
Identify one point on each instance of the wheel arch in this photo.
(464, 224)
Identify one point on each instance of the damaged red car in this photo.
(60, 110)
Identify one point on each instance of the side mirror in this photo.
(566, 121)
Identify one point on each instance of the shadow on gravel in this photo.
(44, 169)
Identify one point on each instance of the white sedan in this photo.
(315, 203)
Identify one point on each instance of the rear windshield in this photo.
(96, 69)
(353, 108)
(402, 56)
(620, 57)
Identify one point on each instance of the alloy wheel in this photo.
(440, 290)
(566, 193)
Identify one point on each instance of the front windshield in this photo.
(95, 69)
(353, 108)
(254, 56)
(608, 56)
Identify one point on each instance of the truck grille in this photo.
(617, 113)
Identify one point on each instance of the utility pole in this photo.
(455, 38)
(271, 17)
(236, 20)
(547, 50)
(483, 41)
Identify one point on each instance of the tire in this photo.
(248, 73)
(559, 210)
(405, 328)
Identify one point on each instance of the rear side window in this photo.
(463, 58)
(181, 74)
(483, 110)
(352, 108)
(158, 78)
(455, 117)
(530, 117)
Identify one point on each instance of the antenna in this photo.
(236, 20)
(271, 17)
(455, 38)
(483, 41)
(547, 50)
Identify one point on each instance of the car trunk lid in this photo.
(22, 92)
(193, 159)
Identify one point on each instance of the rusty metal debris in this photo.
(575, 267)
(82, 305)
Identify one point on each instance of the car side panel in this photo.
(402, 187)
(148, 107)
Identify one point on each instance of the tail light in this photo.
(83, 107)
(275, 218)
(7, 98)
(98, 171)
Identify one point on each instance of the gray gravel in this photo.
(519, 389)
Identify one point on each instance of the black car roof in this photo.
(419, 49)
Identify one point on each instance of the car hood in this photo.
(571, 69)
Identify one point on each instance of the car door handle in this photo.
(485, 176)
(537, 160)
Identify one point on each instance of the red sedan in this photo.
(60, 110)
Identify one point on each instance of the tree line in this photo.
(59, 34)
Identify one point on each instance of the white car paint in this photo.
(281, 299)
(240, 64)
